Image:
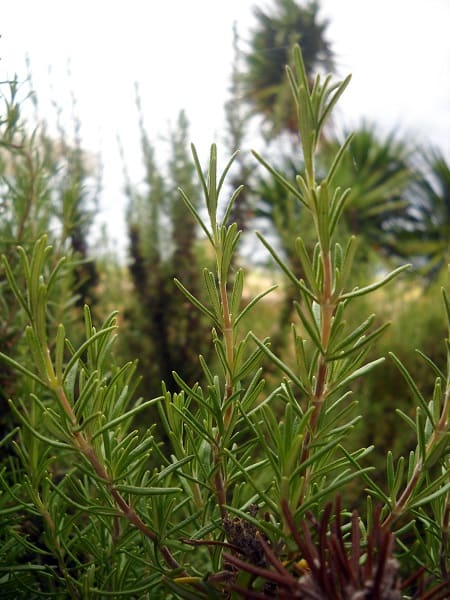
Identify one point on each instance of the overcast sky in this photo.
(180, 53)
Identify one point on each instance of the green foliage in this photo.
(75, 451)
(45, 187)
(238, 503)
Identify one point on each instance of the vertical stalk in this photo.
(229, 348)
(327, 309)
(228, 338)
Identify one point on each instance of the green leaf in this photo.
(281, 179)
(390, 472)
(249, 366)
(199, 170)
(373, 488)
(227, 214)
(427, 499)
(236, 293)
(307, 266)
(21, 369)
(398, 479)
(229, 240)
(173, 467)
(437, 371)
(98, 335)
(314, 457)
(374, 286)
(278, 260)
(211, 197)
(338, 483)
(323, 219)
(412, 386)
(338, 159)
(347, 264)
(55, 272)
(190, 420)
(8, 436)
(355, 334)
(196, 215)
(130, 413)
(420, 431)
(279, 363)
(332, 103)
(15, 288)
(250, 400)
(201, 307)
(213, 294)
(59, 351)
(222, 181)
(406, 418)
(337, 208)
(362, 342)
(96, 416)
(34, 282)
(309, 322)
(337, 257)
(51, 442)
(253, 302)
(301, 360)
(306, 191)
(359, 372)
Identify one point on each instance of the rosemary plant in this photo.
(239, 504)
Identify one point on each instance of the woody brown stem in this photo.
(83, 445)
(327, 310)
(228, 337)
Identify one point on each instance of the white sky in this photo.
(180, 53)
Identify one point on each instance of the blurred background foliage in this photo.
(47, 185)
(399, 209)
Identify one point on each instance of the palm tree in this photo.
(379, 171)
(264, 81)
(429, 242)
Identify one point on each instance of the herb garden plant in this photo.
(248, 495)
